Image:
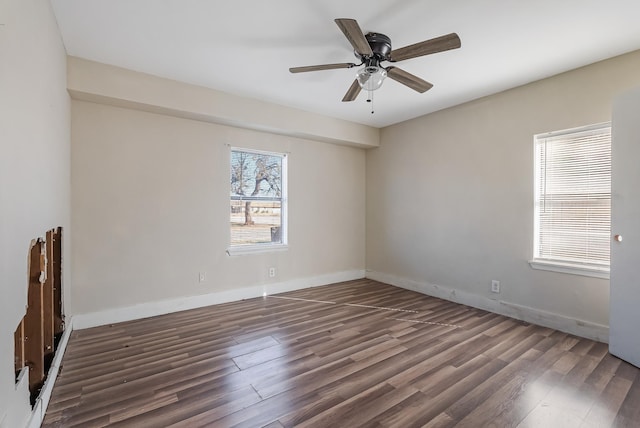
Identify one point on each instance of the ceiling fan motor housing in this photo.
(380, 45)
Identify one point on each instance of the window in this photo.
(573, 201)
(258, 201)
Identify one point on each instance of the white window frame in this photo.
(556, 265)
(236, 250)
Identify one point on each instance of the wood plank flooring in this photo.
(359, 353)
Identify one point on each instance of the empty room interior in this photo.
(299, 213)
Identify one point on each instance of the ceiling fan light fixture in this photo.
(372, 49)
(371, 77)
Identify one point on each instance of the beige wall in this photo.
(150, 208)
(34, 165)
(450, 195)
(93, 81)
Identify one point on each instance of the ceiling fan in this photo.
(374, 48)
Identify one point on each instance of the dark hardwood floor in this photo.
(352, 354)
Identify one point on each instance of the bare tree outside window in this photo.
(256, 197)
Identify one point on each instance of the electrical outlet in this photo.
(495, 286)
(202, 277)
(272, 272)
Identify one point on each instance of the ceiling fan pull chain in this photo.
(370, 100)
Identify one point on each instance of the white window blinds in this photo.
(573, 196)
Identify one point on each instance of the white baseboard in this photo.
(40, 407)
(158, 308)
(540, 317)
(150, 309)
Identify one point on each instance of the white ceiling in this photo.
(245, 47)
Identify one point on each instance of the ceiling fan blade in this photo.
(354, 34)
(408, 79)
(353, 92)
(439, 44)
(321, 67)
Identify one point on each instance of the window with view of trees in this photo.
(573, 198)
(258, 199)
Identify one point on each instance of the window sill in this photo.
(256, 249)
(570, 268)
